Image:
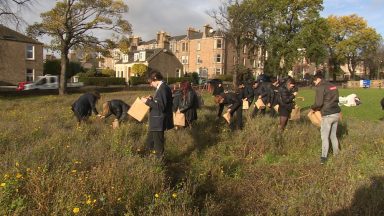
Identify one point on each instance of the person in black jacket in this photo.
(327, 101)
(83, 107)
(235, 106)
(286, 101)
(246, 92)
(273, 89)
(218, 89)
(160, 114)
(188, 102)
(260, 92)
(118, 108)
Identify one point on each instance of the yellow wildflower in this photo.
(6, 176)
(119, 199)
(74, 171)
(28, 169)
(88, 202)
(174, 195)
(157, 196)
(17, 164)
(18, 175)
(94, 200)
(2, 184)
(153, 152)
(76, 210)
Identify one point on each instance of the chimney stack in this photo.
(207, 29)
(162, 40)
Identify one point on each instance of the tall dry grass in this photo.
(51, 167)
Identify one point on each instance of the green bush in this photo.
(102, 81)
(169, 80)
(137, 80)
(172, 80)
(225, 77)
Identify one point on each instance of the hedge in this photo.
(102, 81)
(143, 80)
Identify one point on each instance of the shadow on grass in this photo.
(205, 133)
(367, 200)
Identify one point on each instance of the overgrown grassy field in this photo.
(51, 167)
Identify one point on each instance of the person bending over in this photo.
(83, 107)
(235, 106)
(118, 108)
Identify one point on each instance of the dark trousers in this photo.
(155, 143)
(239, 119)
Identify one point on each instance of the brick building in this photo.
(21, 57)
(206, 52)
(160, 59)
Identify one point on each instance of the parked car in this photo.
(48, 82)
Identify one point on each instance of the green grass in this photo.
(48, 166)
(370, 109)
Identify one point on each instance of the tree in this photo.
(139, 69)
(71, 24)
(234, 18)
(350, 40)
(53, 67)
(10, 10)
(288, 27)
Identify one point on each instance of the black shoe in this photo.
(323, 160)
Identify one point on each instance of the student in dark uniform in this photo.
(118, 108)
(83, 107)
(260, 92)
(218, 89)
(235, 106)
(160, 114)
(273, 94)
(188, 102)
(246, 92)
(286, 101)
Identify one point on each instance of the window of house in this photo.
(184, 59)
(136, 57)
(198, 59)
(254, 63)
(219, 44)
(178, 73)
(184, 47)
(30, 52)
(29, 77)
(218, 71)
(218, 58)
(245, 49)
(244, 61)
(198, 45)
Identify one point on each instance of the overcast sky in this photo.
(175, 16)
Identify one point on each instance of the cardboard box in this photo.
(315, 118)
(138, 110)
(245, 105)
(179, 119)
(227, 117)
(115, 124)
(295, 114)
(260, 104)
(276, 107)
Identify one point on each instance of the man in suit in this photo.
(160, 114)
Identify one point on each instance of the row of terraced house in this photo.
(205, 51)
